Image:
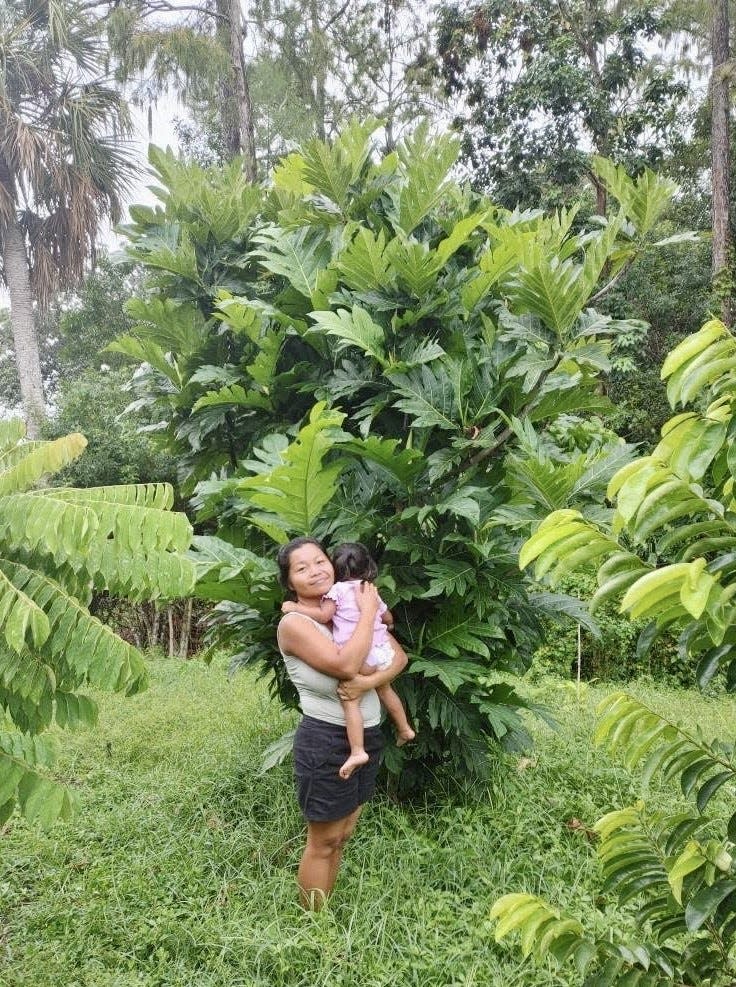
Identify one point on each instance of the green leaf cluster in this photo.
(370, 348)
(58, 545)
(675, 869)
(670, 556)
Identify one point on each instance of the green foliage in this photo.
(79, 322)
(117, 451)
(674, 509)
(57, 545)
(671, 291)
(371, 343)
(563, 77)
(669, 559)
(615, 653)
(677, 868)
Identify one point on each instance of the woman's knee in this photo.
(326, 846)
(330, 840)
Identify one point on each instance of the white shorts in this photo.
(380, 656)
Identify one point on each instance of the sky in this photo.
(164, 113)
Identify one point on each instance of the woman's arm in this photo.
(358, 684)
(302, 639)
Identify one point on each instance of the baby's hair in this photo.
(351, 560)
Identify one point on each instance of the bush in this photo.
(93, 404)
(614, 655)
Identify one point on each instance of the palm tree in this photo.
(64, 163)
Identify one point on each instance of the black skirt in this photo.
(320, 750)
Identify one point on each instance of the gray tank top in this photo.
(317, 691)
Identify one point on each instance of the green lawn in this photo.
(179, 869)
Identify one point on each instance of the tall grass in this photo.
(179, 870)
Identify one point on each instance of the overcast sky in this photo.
(163, 116)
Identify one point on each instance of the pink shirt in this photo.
(347, 614)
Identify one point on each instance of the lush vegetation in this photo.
(57, 546)
(668, 556)
(440, 345)
(440, 335)
(179, 870)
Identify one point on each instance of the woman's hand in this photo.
(354, 688)
(366, 598)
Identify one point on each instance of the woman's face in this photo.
(310, 572)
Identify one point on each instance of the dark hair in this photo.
(283, 558)
(352, 560)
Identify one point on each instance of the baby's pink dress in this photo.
(347, 616)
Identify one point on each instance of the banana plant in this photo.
(57, 546)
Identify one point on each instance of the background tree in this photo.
(73, 330)
(541, 85)
(720, 153)
(316, 65)
(196, 50)
(120, 447)
(63, 163)
(348, 59)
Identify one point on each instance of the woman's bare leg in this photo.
(354, 729)
(321, 859)
(395, 709)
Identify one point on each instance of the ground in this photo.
(179, 868)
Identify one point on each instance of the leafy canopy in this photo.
(353, 351)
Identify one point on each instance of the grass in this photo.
(179, 869)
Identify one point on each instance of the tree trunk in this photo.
(172, 639)
(388, 27)
(720, 126)
(320, 82)
(237, 110)
(186, 629)
(18, 280)
(600, 138)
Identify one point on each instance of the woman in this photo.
(330, 804)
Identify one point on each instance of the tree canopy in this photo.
(436, 332)
(544, 84)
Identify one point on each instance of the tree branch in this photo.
(165, 7)
(337, 16)
(614, 280)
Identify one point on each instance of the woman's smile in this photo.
(310, 571)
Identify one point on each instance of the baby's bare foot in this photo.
(404, 736)
(355, 761)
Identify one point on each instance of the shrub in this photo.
(355, 351)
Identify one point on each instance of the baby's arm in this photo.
(388, 619)
(323, 613)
